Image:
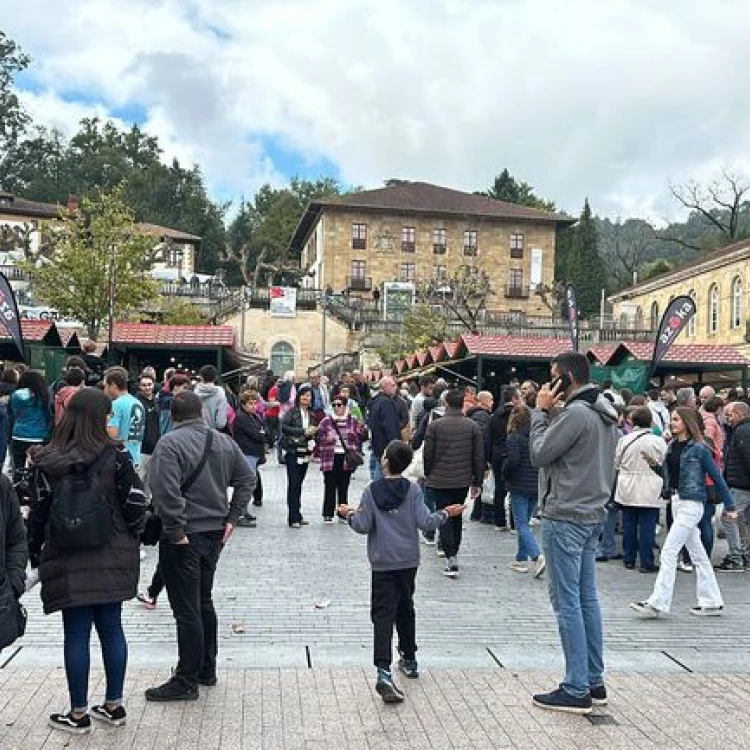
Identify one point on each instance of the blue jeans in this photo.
(107, 618)
(608, 545)
(570, 550)
(638, 532)
(376, 470)
(522, 507)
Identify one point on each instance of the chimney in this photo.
(72, 205)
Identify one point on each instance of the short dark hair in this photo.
(177, 379)
(454, 398)
(117, 378)
(75, 361)
(208, 373)
(10, 375)
(576, 365)
(508, 393)
(426, 380)
(713, 404)
(641, 417)
(74, 376)
(398, 456)
(653, 394)
(186, 405)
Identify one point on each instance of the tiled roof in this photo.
(601, 352)
(67, 334)
(437, 352)
(699, 354)
(422, 358)
(412, 360)
(513, 346)
(451, 347)
(33, 331)
(15, 206)
(399, 365)
(159, 231)
(198, 336)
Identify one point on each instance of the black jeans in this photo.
(295, 476)
(498, 471)
(258, 491)
(188, 571)
(272, 430)
(452, 530)
(336, 484)
(392, 603)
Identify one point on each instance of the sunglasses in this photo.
(337, 403)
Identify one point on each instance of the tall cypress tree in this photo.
(585, 269)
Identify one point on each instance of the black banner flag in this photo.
(9, 317)
(677, 315)
(572, 307)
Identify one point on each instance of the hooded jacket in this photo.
(101, 575)
(204, 507)
(391, 513)
(575, 450)
(215, 405)
(31, 417)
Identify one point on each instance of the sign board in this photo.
(398, 299)
(283, 302)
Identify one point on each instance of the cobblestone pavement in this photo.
(297, 675)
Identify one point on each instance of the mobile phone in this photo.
(563, 381)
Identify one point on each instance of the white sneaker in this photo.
(142, 554)
(519, 567)
(541, 566)
(684, 567)
(646, 611)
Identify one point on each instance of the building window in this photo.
(440, 273)
(737, 302)
(515, 287)
(408, 272)
(470, 243)
(654, 315)
(282, 357)
(713, 309)
(639, 318)
(408, 240)
(439, 241)
(359, 236)
(691, 322)
(516, 246)
(359, 269)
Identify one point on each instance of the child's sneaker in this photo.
(68, 723)
(386, 688)
(409, 668)
(114, 717)
(146, 601)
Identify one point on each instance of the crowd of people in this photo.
(576, 459)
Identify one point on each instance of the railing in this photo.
(13, 273)
(359, 283)
(338, 363)
(517, 291)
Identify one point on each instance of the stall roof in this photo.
(155, 335)
(683, 354)
(36, 332)
(514, 347)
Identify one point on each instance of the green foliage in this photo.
(13, 118)
(173, 312)
(585, 269)
(656, 268)
(75, 278)
(423, 326)
(508, 188)
(259, 236)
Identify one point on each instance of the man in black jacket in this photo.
(385, 423)
(147, 396)
(197, 522)
(510, 396)
(737, 473)
(481, 414)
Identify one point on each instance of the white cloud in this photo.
(609, 100)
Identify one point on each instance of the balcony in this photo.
(359, 283)
(517, 291)
(359, 243)
(408, 247)
(439, 248)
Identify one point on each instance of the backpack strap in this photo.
(190, 481)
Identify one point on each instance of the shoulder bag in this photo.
(152, 530)
(611, 504)
(353, 458)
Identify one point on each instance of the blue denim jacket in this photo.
(695, 463)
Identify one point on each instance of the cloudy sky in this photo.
(610, 99)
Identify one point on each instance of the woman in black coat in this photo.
(14, 554)
(521, 480)
(249, 432)
(89, 584)
(298, 433)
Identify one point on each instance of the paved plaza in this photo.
(295, 655)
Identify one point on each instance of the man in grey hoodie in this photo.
(574, 448)
(213, 398)
(191, 469)
(391, 513)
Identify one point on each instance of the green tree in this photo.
(585, 269)
(75, 278)
(13, 119)
(179, 312)
(508, 188)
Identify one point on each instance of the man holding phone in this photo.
(574, 448)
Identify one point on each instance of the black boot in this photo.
(174, 689)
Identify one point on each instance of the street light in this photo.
(112, 297)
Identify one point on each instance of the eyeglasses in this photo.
(337, 403)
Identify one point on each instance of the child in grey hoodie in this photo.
(392, 512)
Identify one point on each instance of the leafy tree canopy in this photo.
(508, 188)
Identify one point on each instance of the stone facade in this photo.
(330, 256)
(718, 284)
(302, 333)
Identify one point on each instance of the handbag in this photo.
(153, 527)
(13, 616)
(353, 458)
(611, 504)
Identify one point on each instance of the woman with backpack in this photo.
(32, 416)
(83, 537)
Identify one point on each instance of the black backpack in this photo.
(81, 512)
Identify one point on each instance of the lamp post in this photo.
(325, 298)
(112, 296)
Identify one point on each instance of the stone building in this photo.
(415, 231)
(717, 281)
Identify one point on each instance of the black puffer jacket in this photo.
(453, 452)
(482, 417)
(737, 457)
(103, 575)
(498, 432)
(13, 549)
(520, 476)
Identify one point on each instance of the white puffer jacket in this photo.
(638, 485)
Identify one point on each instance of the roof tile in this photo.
(200, 336)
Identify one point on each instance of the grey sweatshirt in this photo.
(205, 506)
(575, 451)
(214, 404)
(391, 512)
